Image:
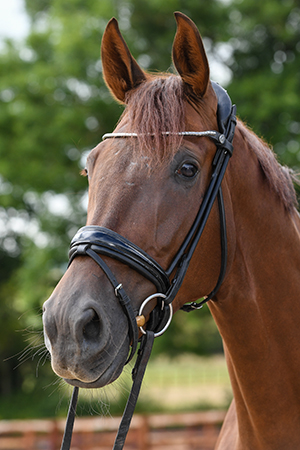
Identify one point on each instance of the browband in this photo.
(224, 116)
(212, 134)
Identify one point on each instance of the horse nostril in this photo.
(91, 329)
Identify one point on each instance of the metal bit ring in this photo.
(148, 299)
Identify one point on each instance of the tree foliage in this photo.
(54, 107)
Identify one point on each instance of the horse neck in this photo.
(257, 309)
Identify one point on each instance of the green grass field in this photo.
(185, 383)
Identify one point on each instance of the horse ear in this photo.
(120, 70)
(189, 56)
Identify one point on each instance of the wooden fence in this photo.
(190, 431)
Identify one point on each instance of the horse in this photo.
(147, 181)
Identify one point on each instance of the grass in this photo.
(185, 383)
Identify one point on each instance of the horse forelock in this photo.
(155, 107)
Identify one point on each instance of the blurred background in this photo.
(54, 108)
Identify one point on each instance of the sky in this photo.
(14, 22)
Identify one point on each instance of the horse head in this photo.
(147, 187)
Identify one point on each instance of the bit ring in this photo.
(148, 299)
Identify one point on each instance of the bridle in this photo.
(94, 241)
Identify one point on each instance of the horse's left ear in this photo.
(189, 56)
(120, 70)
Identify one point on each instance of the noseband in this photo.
(93, 241)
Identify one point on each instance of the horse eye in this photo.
(187, 170)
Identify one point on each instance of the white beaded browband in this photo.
(215, 135)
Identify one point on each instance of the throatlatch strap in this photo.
(188, 307)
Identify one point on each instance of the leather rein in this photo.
(93, 241)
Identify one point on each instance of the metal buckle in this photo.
(117, 289)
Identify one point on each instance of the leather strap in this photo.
(66, 442)
(137, 377)
(109, 243)
(188, 307)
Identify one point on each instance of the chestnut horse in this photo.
(148, 189)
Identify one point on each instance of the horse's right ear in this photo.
(189, 56)
(120, 70)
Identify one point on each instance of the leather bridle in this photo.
(94, 241)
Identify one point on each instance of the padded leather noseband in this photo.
(108, 243)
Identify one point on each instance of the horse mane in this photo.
(280, 178)
(157, 106)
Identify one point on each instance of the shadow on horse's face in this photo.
(151, 203)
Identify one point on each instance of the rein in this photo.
(93, 241)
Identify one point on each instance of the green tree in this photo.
(54, 107)
(265, 62)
